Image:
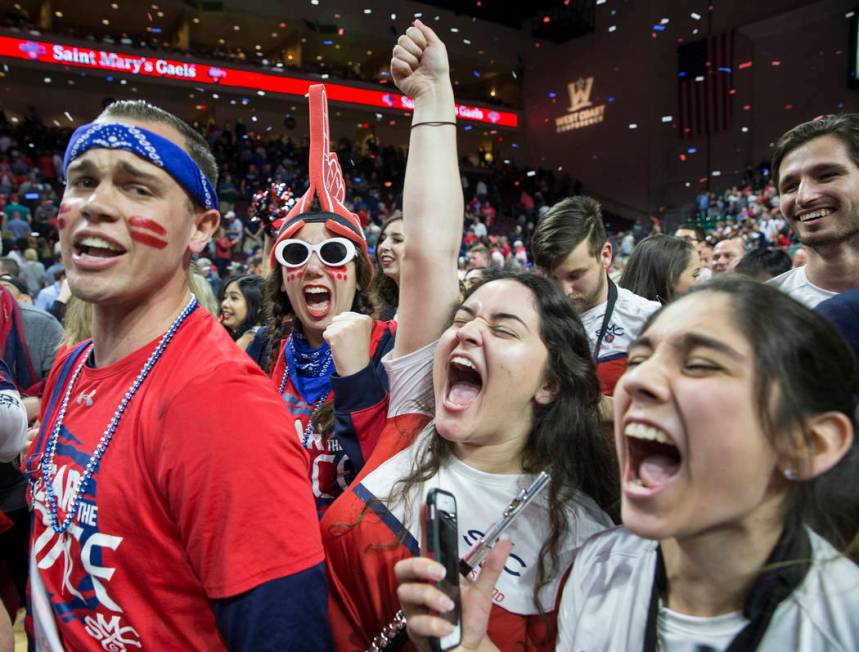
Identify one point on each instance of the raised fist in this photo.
(348, 334)
(419, 61)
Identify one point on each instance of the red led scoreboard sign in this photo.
(198, 73)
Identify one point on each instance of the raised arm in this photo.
(432, 196)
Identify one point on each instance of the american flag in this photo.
(705, 70)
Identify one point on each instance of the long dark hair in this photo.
(802, 368)
(251, 287)
(565, 438)
(385, 290)
(655, 266)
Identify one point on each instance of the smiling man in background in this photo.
(816, 167)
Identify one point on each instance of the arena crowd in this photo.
(234, 365)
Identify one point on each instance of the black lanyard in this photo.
(609, 311)
(783, 572)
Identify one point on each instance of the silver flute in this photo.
(393, 635)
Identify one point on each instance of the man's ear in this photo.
(828, 438)
(204, 227)
(605, 255)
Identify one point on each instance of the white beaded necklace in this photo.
(95, 459)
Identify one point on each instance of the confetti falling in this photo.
(486, 74)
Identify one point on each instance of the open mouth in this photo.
(94, 247)
(653, 459)
(387, 261)
(814, 215)
(464, 382)
(318, 300)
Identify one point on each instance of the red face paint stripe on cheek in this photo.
(61, 223)
(146, 223)
(338, 273)
(148, 240)
(64, 208)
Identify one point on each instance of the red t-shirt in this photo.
(609, 372)
(489, 213)
(223, 247)
(202, 494)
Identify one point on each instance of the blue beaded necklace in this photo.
(308, 430)
(95, 459)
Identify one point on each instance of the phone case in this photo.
(442, 544)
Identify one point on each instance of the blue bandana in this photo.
(150, 147)
(307, 367)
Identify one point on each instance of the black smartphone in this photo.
(442, 544)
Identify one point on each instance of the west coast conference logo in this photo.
(581, 113)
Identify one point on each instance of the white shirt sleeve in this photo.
(13, 424)
(410, 381)
(567, 612)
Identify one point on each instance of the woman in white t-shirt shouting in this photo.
(735, 433)
(483, 396)
(515, 392)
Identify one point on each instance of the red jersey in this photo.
(202, 494)
(223, 247)
(333, 460)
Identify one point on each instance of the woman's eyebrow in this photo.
(496, 316)
(690, 341)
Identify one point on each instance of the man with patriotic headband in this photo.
(160, 519)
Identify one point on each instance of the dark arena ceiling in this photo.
(552, 20)
(349, 40)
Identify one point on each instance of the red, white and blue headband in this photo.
(149, 146)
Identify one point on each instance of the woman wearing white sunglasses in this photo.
(325, 350)
(322, 343)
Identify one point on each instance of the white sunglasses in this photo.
(333, 252)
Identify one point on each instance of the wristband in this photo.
(432, 124)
